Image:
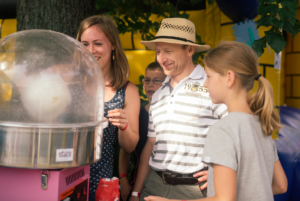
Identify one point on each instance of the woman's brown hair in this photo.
(243, 61)
(119, 68)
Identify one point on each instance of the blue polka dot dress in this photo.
(104, 167)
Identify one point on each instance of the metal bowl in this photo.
(50, 146)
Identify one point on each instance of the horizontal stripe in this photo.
(223, 113)
(193, 115)
(178, 143)
(151, 130)
(193, 105)
(194, 95)
(159, 106)
(163, 97)
(178, 153)
(181, 133)
(174, 162)
(184, 123)
(215, 108)
(159, 113)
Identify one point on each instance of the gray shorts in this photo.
(154, 185)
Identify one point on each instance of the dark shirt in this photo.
(143, 131)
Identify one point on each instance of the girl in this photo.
(239, 150)
(122, 102)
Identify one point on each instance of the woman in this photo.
(122, 103)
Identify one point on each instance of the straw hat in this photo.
(178, 31)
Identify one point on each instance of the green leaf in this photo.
(296, 27)
(268, 8)
(193, 2)
(261, 2)
(275, 40)
(198, 39)
(287, 16)
(155, 9)
(210, 2)
(259, 45)
(290, 5)
(184, 15)
(141, 78)
(278, 23)
(263, 21)
(289, 28)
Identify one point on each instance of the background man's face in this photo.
(172, 58)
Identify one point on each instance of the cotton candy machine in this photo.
(51, 113)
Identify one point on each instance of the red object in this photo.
(78, 195)
(108, 190)
(84, 191)
(137, 194)
(122, 175)
(124, 127)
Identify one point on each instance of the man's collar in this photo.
(197, 74)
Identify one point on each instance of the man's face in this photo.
(172, 58)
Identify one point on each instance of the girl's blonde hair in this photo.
(243, 61)
(119, 68)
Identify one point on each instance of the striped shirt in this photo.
(179, 119)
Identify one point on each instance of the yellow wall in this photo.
(292, 69)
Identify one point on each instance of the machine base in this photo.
(71, 184)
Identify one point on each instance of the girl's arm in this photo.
(279, 183)
(224, 183)
(124, 159)
(129, 136)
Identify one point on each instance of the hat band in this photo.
(176, 38)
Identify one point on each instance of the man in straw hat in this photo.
(180, 115)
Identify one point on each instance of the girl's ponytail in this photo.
(262, 104)
(243, 61)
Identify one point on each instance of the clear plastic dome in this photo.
(51, 102)
(48, 78)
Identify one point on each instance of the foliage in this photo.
(281, 16)
(143, 97)
(135, 16)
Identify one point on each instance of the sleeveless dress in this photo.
(104, 167)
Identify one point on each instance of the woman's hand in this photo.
(155, 198)
(118, 117)
(125, 188)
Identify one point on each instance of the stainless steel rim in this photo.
(40, 125)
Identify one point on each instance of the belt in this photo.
(174, 179)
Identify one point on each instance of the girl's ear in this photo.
(230, 78)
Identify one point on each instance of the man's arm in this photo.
(144, 168)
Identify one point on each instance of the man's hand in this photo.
(134, 198)
(202, 177)
(125, 188)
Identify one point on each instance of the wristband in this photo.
(122, 175)
(136, 194)
(124, 127)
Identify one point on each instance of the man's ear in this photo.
(191, 50)
(230, 78)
